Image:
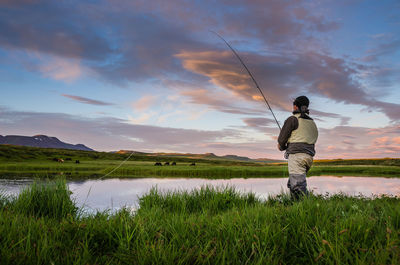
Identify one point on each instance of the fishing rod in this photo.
(252, 77)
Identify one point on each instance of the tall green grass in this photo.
(205, 199)
(46, 199)
(206, 226)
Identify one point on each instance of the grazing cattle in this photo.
(166, 164)
(60, 160)
(77, 161)
(173, 164)
(193, 164)
(158, 164)
(55, 159)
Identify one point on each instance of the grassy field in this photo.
(38, 162)
(207, 226)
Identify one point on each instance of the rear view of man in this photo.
(298, 137)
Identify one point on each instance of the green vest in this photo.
(307, 132)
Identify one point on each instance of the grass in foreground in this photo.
(207, 226)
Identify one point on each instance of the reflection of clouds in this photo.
(355, 185)
(116, 193)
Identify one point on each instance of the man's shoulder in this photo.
(292, 118)
(292, 121)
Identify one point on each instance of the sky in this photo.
(150, 76)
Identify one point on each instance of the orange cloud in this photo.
(222, 70)
(396, 140)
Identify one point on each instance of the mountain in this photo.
(41, 141)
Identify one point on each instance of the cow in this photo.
(77, 161)
(173, 163)
(60, 160)
(158, 164)
(193, 164)
(166, 164)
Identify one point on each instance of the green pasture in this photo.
(208, 226)
(39, 162)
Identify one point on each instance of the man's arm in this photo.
(290, 125)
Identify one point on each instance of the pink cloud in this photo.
(61, 69)
(396, 140)
(144, 102)
(381, 140)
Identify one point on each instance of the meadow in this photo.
(18, 161)
(208, 226)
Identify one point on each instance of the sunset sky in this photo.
(150, 76)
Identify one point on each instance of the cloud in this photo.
(259, 124)
(218, 100)
(144, 102)
(286, 75)
(87, 100)
(388, 144)
(125, 40)
(274, 22)
(61, 69)
(358, 142)
(316, 114)
(383, 49)
(56, 28)
(107, 133)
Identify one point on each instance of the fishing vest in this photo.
(307, 132)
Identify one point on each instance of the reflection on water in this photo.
(115, 193)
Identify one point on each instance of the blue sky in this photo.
(150, 76)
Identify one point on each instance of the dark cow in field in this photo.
(158, 164)
(173, 164)
(166, 164)
(193, 164)
(77, 161)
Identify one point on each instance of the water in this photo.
(113, 194)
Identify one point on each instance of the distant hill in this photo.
(42, 141)
(208, 156)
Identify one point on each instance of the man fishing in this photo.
(298, 137)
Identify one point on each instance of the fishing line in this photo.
(109, 173)
(250, 74)
(254, 80)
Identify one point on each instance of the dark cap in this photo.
(301, 101)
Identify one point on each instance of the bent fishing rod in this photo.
(252, 77)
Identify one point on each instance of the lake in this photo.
(113, 194)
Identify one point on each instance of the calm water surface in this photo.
(115, 193)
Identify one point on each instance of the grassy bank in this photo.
(39, 162)
(201, 227)
(132, 169)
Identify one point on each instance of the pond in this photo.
(113, 194)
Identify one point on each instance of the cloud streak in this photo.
(87, 100)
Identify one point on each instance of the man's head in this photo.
(301, 101)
